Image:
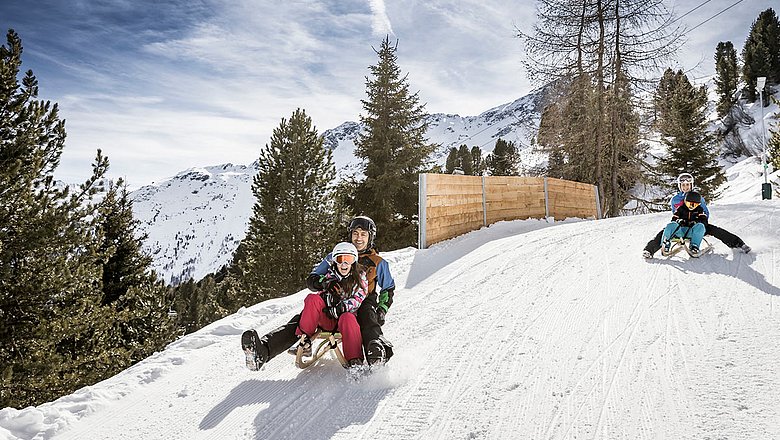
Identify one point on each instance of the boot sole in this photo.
(249, 344)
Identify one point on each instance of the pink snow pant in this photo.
(313, 317)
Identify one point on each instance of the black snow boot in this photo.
(255, 350)
(375, 352)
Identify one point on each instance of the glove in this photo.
(380, 316)
(328, 283)
(336, 290)
(336, 310)
(681, 221)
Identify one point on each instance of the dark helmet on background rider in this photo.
(366, 224)
(692, 199)
(684, 178)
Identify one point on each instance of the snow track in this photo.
(520, 330)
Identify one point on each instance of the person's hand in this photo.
(336, 310)
(336, 290)
(681, 221)
(327, 283)
(380, 316)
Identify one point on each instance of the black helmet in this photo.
(693, 197)
(366, 224)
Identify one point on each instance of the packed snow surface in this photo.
(524, 329)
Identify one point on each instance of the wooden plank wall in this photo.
(511, 198)
(571, 199)
(451, 205)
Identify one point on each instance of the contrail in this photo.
(380, 22)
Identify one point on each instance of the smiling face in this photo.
(686, 186)
(360, 238)
(344, 268)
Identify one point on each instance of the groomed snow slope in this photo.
(522, 330)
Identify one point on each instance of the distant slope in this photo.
(196, 219)
(520, 330)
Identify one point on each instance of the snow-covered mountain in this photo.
(196, 219)
(522, 330)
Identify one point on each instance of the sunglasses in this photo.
(345, 259)
(692, 205)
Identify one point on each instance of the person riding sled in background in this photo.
(684, 185)
(371, 314)
(688, 221)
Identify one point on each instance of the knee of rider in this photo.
(347, 320)
(314, 300)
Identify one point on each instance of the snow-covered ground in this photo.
(523, 330)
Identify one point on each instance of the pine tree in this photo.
(140, 300)
(503, 160)
(477, 163)
(127, 263)
(691, 148)
(394, 151)
(727, 76)
(662, 99)
(292, 224)
(60, 329)
(464, 156)
(49, 277)
(761, 53)
(201, 303)
(452, 160)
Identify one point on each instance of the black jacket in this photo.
(689, 217)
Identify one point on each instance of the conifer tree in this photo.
(691, 148)
(393, 149)
(465, 160)
(49, 279)
(293, 223)
(662, 98)
(139, 299)
(761, 53)
(452, 160)
(503, 160)
(726, 76)
(127, 264)
(57, 334)
(477, 163)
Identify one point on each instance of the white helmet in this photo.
(344, 249)
(684, 178)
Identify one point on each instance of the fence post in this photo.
(422, 198)
(484, 202)
(546, 201)
(598, 202)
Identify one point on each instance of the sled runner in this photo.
(329, 341)
(680, 243)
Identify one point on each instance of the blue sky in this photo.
(161, 86)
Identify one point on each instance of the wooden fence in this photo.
(451, 205)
